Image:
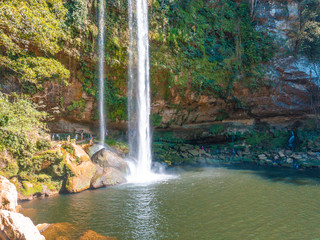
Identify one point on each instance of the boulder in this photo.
(106, 158)
(281, 154)
(107, 176)
(8, 195)
(81, 169)
(15, 226)
(92, 149)
(82, 175)
(42, 226)
(91, 235)
(194, 152)
(80, 153)
(65, 231)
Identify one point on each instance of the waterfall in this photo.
(139, 88)
(102, 122)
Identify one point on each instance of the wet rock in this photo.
(262, 157)
(107, 177)
(15, 226)
(46, 192)
(312, 153)
(61, 231)
(92, 149)
(8, 195)
(42, 226)
(289, 160)
(296, 156)
(91, 235)
(106, 158)
(281, 154)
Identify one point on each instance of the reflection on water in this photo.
(200, 204)
(143, 208)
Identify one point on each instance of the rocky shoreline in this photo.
(74, 168)
(103, 168)
(15, 226)
(187, 154)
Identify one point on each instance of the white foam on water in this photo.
(159, 175)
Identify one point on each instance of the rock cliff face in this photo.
(289, 87)
(57, 98)
(286, 93)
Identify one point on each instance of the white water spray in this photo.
(101, 71)
(139, 94)
(144, 134)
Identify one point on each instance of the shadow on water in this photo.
(285, 175)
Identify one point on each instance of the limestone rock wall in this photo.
(288, 94)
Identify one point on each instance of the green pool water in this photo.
(202, 203)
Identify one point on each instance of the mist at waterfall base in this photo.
(140, 159)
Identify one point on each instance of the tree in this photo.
(30, 29)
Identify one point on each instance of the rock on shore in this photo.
(8, 195)
(13, 225)
(111, 169)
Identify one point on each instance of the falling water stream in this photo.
(139, 90)
(101, 72)
(139, 96)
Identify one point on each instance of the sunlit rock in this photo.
(15, 226)
(106, 158)
(107, 176)
(8, 195)
(83, 174)
(61, 231)
(81, 170)
(91, 235)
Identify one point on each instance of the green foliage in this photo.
(42, 161)
(61, 101)
(9, 166)
(266, 140)
(77, 16)
(30, 189)
(68, 147)
(116, 101)
(208, 45)
(43, 144)
(156, 120)
(19, 116)
(121, 147)
(222, 115)
(216, 129)
(21, 128)
(77, 105)
(29, 27)
(88, 78)
(308, 35)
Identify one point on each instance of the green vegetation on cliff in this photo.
(24, 147)
(30, 32)
(21, 133)
(204, 47)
